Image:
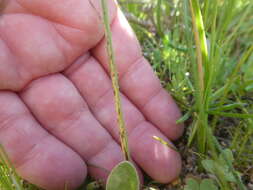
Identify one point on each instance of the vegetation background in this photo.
(202, 52)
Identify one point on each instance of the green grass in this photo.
(9, 180)
(204, 58)
(202, 52)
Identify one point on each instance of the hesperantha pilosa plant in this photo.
(202, 51)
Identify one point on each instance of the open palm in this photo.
(57, 117)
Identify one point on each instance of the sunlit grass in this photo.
(8, 178)
(210, 75)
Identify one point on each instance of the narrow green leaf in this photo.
(233, 115)
(8, 177)
(186, 116)
(228, 107)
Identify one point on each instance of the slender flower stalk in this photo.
(115, 82)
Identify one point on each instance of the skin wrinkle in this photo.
(66, 57)
(131, 46)
(101, 151)
(46, 17)
(99, 99)
(131, 66)
(77, 64)
(13, 58)
(95, 9)
(134, 67)
(72, 117)
(151, 98)
(30, 154)
(6, 122)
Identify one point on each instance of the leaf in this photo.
(124, 177)
(220, 165)
(208, 165)
(208, 184)
(191, 184)
(228, 154)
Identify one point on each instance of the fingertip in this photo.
(56, 172)
(158, 160)
(162, 111)
(171, 168)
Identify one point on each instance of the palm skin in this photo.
(57, 118)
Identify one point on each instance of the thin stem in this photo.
(115, 83)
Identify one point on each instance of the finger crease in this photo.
(29, 155)
(130, 67)
(157, 92)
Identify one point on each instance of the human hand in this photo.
(57, 118)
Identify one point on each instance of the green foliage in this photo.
(206, 184)
(8, 178)
(219, 59)
(220, 168)
(124, 177)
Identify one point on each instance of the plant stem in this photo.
(115, 83)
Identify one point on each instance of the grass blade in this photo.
(9, 180)
(202, 61)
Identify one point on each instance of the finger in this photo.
(64, 113)
(51, 35)
(37, 50)
(137, 80)
(159, 161)
(11, 6)
(38, 156)
(82, 15)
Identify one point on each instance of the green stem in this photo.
(159, 17)
(115, 83)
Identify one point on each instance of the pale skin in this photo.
(57, 118)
